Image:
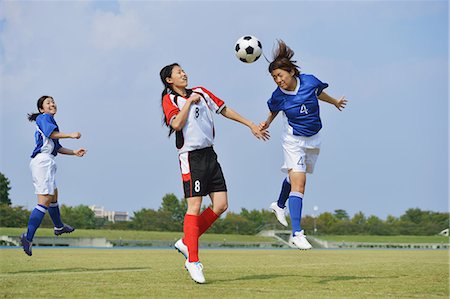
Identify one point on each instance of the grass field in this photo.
(146, 273)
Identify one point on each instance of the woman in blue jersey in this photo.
(189, 113)
(297, 98)
(43, 169)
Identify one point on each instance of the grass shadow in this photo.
(322, 279)
(74, 270)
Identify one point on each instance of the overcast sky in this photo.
(385, 153)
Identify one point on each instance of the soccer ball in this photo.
(248, 49)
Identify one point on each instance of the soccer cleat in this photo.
(300, 241)
(26, 245)
(66, 229)
(182, 248)
(195, 269)
(279, 212)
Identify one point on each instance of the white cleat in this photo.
(195, 269)
(279, 212)
(182, 248)
(299, 240)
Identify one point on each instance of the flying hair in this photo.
(282, 59)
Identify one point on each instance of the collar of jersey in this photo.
(294, 92)
(188, 93)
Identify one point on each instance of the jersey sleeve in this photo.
(320, 86)
(170, 109)
(275, 103)
(57, 144)
(214, 103)
(46, 124)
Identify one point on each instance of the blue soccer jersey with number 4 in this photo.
(300, 106)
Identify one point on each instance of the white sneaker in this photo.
(182, 248)
(300, 241)
(279, 212)
(195, 269)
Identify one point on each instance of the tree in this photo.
(359, 218)
(413, 215)
(13, 216)
(146, 219)
(4, 190)
(375, 226)
(237, 224)
(176, 208)
(80, 216)
(325, 221)
(340, 214)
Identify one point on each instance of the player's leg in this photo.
(284, 193)
(298, 181)
(35, 221)
(41, 167)
(211, 214)
(191, 235)
(307, 160)
(192, 166)
(217, 190)
(279, 207)
(191, 227)
(53, 210)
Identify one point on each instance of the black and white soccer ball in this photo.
(248, 49)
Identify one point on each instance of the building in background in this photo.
(113, 216)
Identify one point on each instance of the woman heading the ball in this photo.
(189, 113)
(296, 97)
(43, 169)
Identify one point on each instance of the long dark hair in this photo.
(166, 72)
(282, 59)
(40, 102)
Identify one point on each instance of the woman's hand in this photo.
(264, 125)
(340, 104)
(80, 152)
(194, 98)
(260, 133)
(75, 135)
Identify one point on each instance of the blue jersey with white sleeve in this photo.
(45, 126)
(301, 106)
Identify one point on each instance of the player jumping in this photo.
(297, 98)
(189, 112)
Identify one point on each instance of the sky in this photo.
(100, 60)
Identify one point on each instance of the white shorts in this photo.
(300, 153)
(43, 170)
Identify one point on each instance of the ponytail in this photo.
(40, 102)
(166, 72)
(282, 59)
(33, 116)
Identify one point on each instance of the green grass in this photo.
(386, 239)
(144, 273)
(133, 235)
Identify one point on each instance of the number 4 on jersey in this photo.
(303, 109)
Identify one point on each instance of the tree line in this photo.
(169, 217)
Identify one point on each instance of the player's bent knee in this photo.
(221, 208)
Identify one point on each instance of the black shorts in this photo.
(201, 173)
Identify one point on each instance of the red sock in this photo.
(206, 219)
(191, 235)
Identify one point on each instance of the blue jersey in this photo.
(300, 106)
(45, 126)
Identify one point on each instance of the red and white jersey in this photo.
(198, 132)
